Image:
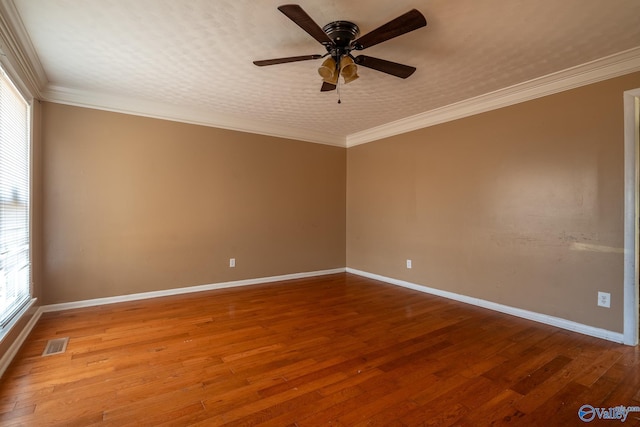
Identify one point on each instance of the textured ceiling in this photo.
(197, 55)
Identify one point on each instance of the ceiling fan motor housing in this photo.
(342, 33)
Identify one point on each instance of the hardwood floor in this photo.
(337, 350)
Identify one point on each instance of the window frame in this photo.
(18, 311)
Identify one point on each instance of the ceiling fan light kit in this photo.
(340, 38)
(330, 70)
(348, 69)
(327, 69)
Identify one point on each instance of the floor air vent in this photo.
(57, 346)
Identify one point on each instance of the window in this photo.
(15, 265)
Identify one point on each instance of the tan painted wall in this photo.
(134, 204)
(514, 206)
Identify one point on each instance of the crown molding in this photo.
(202, 117)
(601, 69)
(19, 56)
(592, 72)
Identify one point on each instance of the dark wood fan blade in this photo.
(326, 87)
(403, 24)
(393, 68)
(275, 61)
(304, 21)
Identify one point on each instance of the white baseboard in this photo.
(6, 358)
(525, 314)
(185, 290)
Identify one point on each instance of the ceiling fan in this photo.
(340, 38)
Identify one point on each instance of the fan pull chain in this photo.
(338, 91)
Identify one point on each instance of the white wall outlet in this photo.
(232, 262)
(604, 299)
(408, 263)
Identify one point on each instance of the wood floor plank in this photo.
(540, 375)
(338, 350)
(500, 410)
(600, 365)
(551, 411)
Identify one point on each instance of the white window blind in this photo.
(15, 265)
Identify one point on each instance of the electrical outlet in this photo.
(408, 263)
(232, 262)
(604, 299)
